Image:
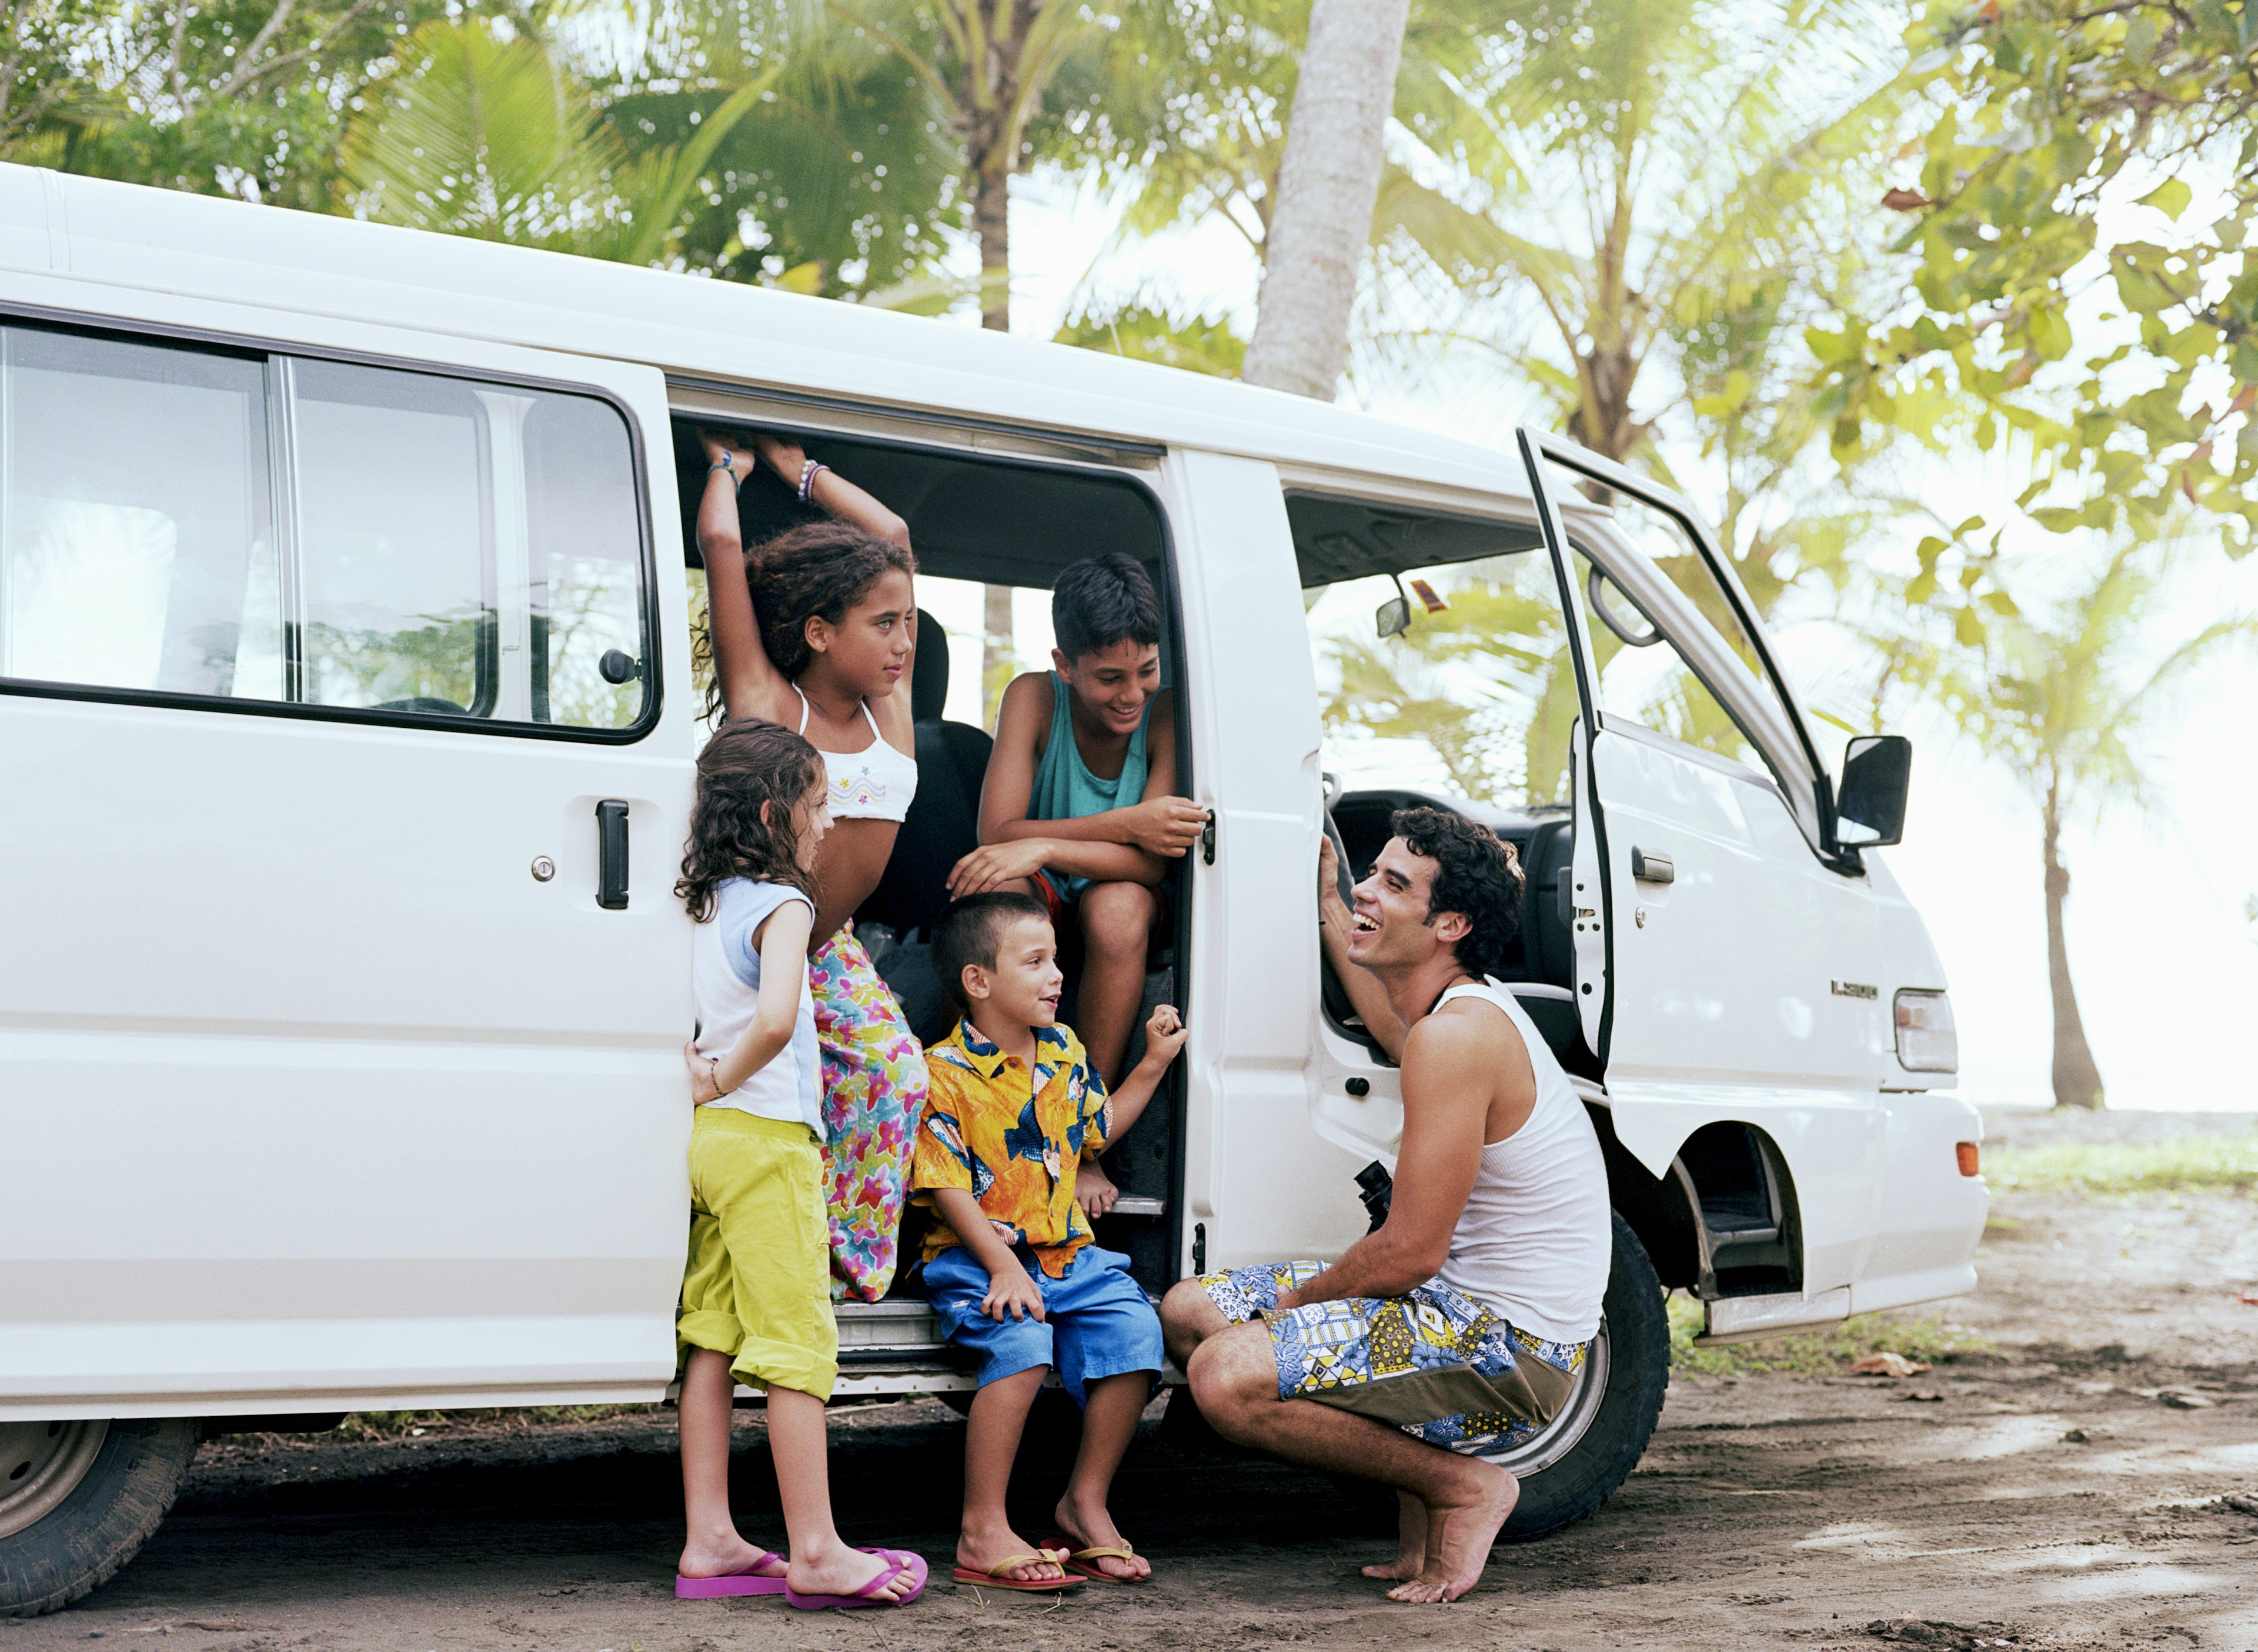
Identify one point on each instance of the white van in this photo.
(347, 722)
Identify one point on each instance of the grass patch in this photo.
(1814, 1353)
(397, 1425)
(2127, 1168)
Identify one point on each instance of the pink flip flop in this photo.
(868, 1595)
(746, 1580)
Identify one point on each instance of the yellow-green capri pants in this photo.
(758, 1284)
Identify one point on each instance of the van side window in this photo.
(137, 548)
(183, 520)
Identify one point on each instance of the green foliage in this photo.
(2119, 1168)
(1139, 332)
(2047, 117)
(240, 98)
(1817, 1353)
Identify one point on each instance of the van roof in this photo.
(273, 259)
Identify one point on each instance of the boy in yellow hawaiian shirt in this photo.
(1014, 1109)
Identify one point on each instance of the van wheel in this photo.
(79, 1499)
(1585, 1453)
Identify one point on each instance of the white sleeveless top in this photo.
(1535, 1241)
(874, 784)
(726, 975)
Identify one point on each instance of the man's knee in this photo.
(1233, 1373)
(1181, 1309)
(1117, 917)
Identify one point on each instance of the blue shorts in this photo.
(1101, 1323)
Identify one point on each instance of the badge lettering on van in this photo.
(1854, 989)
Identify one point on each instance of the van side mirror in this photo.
(1393, 617)
(1870, 806)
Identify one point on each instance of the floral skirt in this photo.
(874, 1088)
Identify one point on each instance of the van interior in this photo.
(1008, 521)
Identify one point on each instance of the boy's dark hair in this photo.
(816, 571)
(968, 933)
(1102, 600)
(747, 764)
(1477, 874)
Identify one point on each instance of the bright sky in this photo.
(2164, 960)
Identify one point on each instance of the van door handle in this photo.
(1648, 866)
(1207, 841)
(612, 855)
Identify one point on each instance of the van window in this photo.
(1479, 693)
(187, 520)
(136, 542)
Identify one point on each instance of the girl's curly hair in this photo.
(747, 764)
(816, 571)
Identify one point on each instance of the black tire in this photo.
(1577, 1481)
(81, 1542)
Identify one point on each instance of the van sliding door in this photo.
(339, 1022)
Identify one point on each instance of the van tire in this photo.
(1567, 1490)
(80, 1543)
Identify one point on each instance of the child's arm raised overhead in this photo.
(1119, 845)
(830, 492)
(1010, 1290)
(751, 684)
(781, 939)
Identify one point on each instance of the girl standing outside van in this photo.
(756, 1304)
(814, 630)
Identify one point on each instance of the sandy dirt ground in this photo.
(2092, 1483)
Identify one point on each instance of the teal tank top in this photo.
(1065, 790)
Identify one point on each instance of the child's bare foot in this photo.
(725, 1554)
(841, 1571)
(1093, 1527)
(1411, 1543)
(1459, 1533)
(984, 1547)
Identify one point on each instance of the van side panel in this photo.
(1256, 1176)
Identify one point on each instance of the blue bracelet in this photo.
(730, 465)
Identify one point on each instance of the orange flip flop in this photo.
(1082, 1562)
(994, 1578)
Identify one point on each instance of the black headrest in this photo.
(929, 671)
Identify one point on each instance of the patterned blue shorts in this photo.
(1436, 1362)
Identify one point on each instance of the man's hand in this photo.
(994, 865)
(1094, 1191)
(702, 1087)
(1329, 895)
(1010, 1291)
(718, 449)
(1165, 1033)
(1166, 826)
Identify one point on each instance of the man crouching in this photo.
(1456, 1330)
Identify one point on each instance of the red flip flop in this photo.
(746, 1580)
(994, 1578)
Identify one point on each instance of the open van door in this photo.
(1727, 959)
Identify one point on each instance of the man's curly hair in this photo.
(747, 764)
(1477, 874)
(816, 571)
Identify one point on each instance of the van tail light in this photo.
(1927, 1039)
(1969, 1165)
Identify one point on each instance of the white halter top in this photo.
(874, 784)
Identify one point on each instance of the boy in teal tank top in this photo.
(1080, 807)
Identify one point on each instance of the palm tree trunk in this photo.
(1327, 185)
(2077, 1081)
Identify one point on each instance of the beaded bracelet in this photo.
(808, 472)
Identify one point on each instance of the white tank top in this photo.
(874, 784)
(1535, 1241)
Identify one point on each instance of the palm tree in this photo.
(1327, 183)
(2066, 706)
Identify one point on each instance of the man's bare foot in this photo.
(1094, 1528)
(1411, 1543)
(1459, 1533)
(841, 1571)
(725, 1554)
(983, 1548)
